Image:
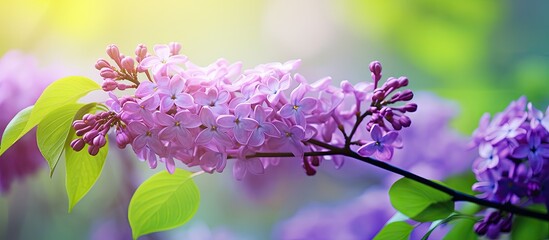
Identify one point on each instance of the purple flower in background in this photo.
(513, 165)
(21, 83)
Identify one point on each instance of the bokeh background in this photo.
(479, 55)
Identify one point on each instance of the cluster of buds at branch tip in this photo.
(93, 129)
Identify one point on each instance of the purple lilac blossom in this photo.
(512, 167)
(449, 154)
(21, 83)
(237, 111)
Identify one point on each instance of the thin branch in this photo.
(456, 195)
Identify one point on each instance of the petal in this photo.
(384, 153)
(207, 117)
(139, 142)
(270, 129)
(201, 98)
(389, 138)
(307, 104)
(149, 61)
(170, 165)
(241, 135)
(204, 137)
(131, 107)
(298, 133)
(255, 166)
(167, 133)
(184, 100)
(242, 110)
(284, 82)
(375, 132)
(272, 84)
(223, 138)
(368, 149)
(521, 151)
(239, 169)
(162, 51)
(286, 111)
(137, 128)
(163, 119)
(259, 114)
(536, 162)
(223, 97)
(256, 138)
(226, 121)
(166, 104)
(543, 150)
(177, 59)
(248, 124)
(187, 119)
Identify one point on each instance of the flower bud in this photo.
(375, 67)
(405, 121)
(109, 85)
(174, 48)
(83, 131)
(77, 144)
(114, 53)
(410, 107)
(506, 224)
(481, 228)
(122, 139)
(102, 63)
(99, 140)
(128, 64)
(140, 52)
(108, 73)
(89, 136)
(93, 150)
(379, 95)
(403, 81)
(406, 95)
(347, 87)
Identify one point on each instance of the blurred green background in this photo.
(481, 54)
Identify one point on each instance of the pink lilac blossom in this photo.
(21, 83)
(203, 116)
(513, 162)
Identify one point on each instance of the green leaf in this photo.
(82, 171)
(162, 202)
(530, 228)
(451, 218)
(394, 231)
(60, 93)
(13, 130)
(462, 230)
(420, 202)
(462, 182)
(52, 133)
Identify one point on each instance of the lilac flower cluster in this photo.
(202, 116)
(513, 162)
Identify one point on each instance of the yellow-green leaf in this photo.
(13, 130)
(162, 202)
(60, 93)
(53, 131)
(82, 171)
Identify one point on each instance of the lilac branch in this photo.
(456, 195)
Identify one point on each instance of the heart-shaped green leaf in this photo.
(162, 202)
(420, 202)
(13, 130)
(52, 132)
